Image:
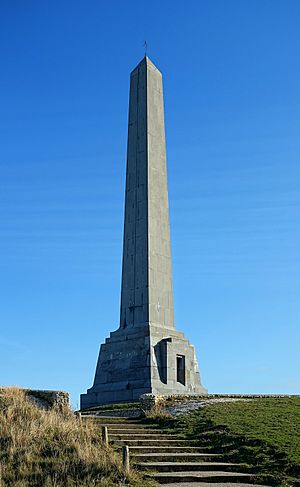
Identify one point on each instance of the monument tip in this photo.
(146, 61)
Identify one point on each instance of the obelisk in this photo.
(146, 354)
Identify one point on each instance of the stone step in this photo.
(131, 429)
(130, 426)
(237, 483)
(151, 442)
(188, 466)
(208, 476)
(134, 431)
(127, 425)
(168, 449)
(173, 457)
(112, 419)
(109, 421)
(141, 436)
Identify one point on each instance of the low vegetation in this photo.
(275, 421)
(51, 448)
(263, 434)
(41, 448)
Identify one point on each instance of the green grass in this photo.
(262, 434)
(275, 421)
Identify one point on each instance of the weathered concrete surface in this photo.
(47, 399)
(147, 294)
(142, 356)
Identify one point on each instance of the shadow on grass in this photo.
(268, 465)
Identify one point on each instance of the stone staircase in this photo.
(169, 459)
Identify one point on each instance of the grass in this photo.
(50, 448)
(262, 434)
(275, 421)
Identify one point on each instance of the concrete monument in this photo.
(146, 354)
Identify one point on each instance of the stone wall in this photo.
(49, 399)
(148, 401)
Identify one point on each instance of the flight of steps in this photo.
(168, 459)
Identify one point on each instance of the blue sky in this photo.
(232, 106)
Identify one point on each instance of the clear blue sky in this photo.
(232, 105)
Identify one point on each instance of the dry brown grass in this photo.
(157, 412)
(51, 448)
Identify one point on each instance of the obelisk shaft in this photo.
(146, 295)
(145, 354)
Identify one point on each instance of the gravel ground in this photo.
(185, 407)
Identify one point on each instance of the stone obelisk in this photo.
(146, 354)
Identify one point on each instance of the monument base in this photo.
(143, 359)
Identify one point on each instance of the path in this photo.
(171, 460)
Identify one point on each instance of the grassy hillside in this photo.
(263, 433)
(47, 448)
(274, 421)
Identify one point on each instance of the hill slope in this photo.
(46, 448)
(263, 433)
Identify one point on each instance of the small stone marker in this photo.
(125, 458)
(105, 435)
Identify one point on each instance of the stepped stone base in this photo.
(141, 360)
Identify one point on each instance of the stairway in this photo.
(169, 459)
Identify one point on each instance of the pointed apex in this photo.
(149, 62)
(146, 61)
